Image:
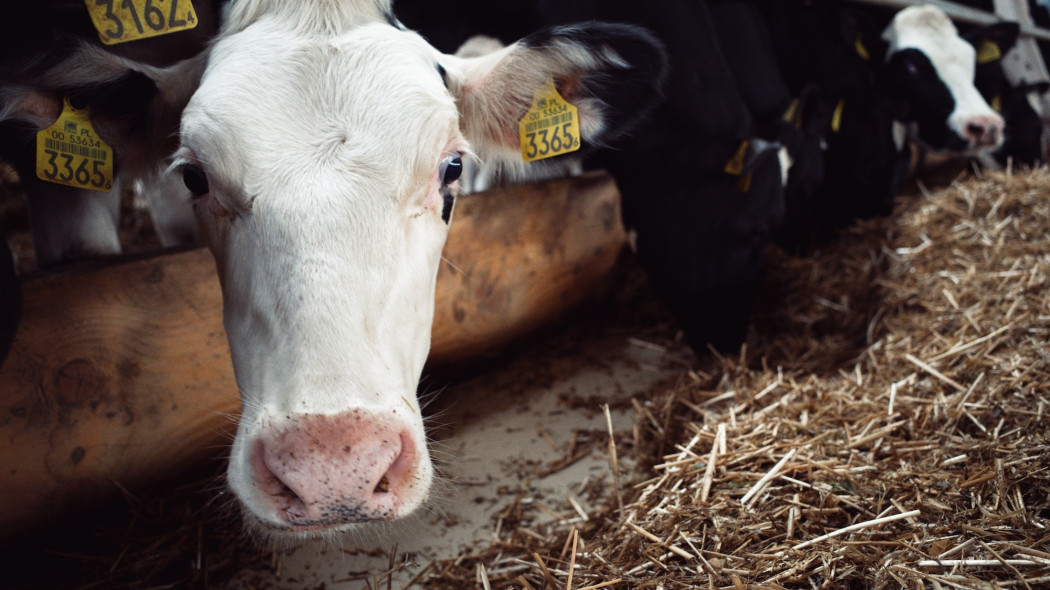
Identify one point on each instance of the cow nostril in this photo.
(383, 486)
(287, 500)
(976, 130)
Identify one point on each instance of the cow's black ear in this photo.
(626, 71)
(861, 36)
(613, 74)
(994, 41)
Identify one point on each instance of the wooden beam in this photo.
(121, 376)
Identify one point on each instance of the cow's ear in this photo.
(861, 36)
(134, 107)
(993, 41)
(613, 74)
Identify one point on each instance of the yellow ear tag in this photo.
(862, 51)
(836, 117)
(792, 110)
(735, 165)
(997, 103)
(744, 184)
(70, 152)
(120, 21)
(988, 52)
(551, 127)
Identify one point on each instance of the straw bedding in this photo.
(884, 427)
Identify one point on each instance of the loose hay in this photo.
(884, 427)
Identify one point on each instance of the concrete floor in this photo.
(495, 437)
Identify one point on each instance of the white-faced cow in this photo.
(323, 146)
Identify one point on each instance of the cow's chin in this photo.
(269, 532)
(267, 535)
(951, 145)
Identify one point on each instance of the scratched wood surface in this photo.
(120, 376)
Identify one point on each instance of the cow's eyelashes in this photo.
(451, 168)
(195, 179)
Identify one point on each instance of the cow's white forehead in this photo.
(929, 30)
(366, 102)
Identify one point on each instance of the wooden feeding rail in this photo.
(120, 376)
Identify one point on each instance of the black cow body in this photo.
(822, 54)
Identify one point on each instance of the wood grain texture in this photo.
(120, 376)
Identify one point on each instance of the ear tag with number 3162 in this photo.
(120, 21)
(551, 127)
(70, 152)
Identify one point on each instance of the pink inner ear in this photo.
(40, 108)
(569, 87)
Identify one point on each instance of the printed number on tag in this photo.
(120, 21)
(551, 126)
(70, 152)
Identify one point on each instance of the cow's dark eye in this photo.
(195, 179)
(451, 168)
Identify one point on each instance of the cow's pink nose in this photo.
(984, 132)
(324, 471)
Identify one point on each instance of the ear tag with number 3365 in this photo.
(120, 21)
(551, 127)
(70, 152)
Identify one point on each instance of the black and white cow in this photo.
(1009, 78)
(49, 51)
(887, 77)
(701, 182)
(1018, 104)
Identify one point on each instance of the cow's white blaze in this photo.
(927, 29)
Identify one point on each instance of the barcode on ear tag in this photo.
(70, 152)
(120, 21)
(551, 127)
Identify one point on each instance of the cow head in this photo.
(323, 148)
(932, 68)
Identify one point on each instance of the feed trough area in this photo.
(884, 426)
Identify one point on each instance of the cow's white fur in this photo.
(321, 129)
(929, 30)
